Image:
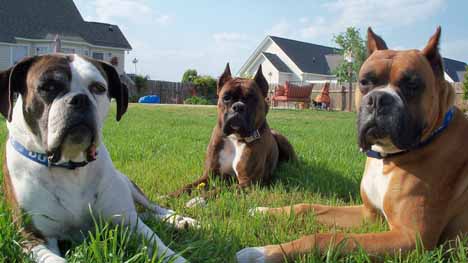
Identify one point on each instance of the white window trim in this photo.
(100, 52)
(49, 48)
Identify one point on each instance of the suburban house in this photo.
(293, 61)
(301, 62)
(454, 70)
(29, 28)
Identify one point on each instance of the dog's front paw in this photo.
(196, 201)
(42, 254)
(181, 222)
(251, 255)
(258, 211)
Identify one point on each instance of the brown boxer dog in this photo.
(242, 145)
(416, 175)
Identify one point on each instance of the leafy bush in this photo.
(197, 101)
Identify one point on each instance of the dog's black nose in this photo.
(79, 101)
(238, 107)
(379, 102)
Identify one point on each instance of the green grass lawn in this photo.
(162, 148)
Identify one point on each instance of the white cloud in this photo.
(340, 14)
(136, 12)
(224, 37)
(455, 49)
(164, 20)
(282, 28)
(386, 14)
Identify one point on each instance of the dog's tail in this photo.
(286, 150)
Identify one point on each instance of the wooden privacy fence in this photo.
(177, 92)
(339, 95)
(169, 92)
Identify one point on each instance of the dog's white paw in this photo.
(196, 201)
(42, 254)
(49, 258)
(258, 211)
(251, 255)
(181, 222)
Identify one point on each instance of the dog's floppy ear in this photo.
(374, 42)
(13, 81)
(117, 89)
(225, 77)
(261, 81)
(431, 52)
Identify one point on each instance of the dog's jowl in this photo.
(58, 171)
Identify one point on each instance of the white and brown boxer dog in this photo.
(242, 145)
(416, 175)
(57, 169)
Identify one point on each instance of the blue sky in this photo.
(170, 36)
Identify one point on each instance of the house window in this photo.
(42, 50)
(19, 52)
(109, 55)
(98, 55)
(86, 53)
(68, 50)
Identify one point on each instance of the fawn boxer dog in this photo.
(242, 145)
(416, 173)
(57, 170)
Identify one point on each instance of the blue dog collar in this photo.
(447, 119)
(42, 158)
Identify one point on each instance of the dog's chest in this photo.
(59, 204)
(230, 155)
(375, 183)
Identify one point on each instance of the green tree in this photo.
(141, 82)
(207, 84)
(350, 40)
(189, 75)
(465, 85)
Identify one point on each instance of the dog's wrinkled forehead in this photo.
(65, 69)
(394, 67)
(240, 86)
(85, 71)
(49, 68)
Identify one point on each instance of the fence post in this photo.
(343, 98)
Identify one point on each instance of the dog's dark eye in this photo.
(50, 86)
(411, 88)
(97, 88)
(365, 85)
(227, 98)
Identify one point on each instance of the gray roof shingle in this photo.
(455, 69)
(310, 58)
(277, 62)
(39, 19)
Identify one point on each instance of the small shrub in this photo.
(197, 101)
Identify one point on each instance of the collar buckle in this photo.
(253, 137)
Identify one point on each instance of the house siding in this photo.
(109, 54)
(5, 56)
(270, 73)
(277, 77)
